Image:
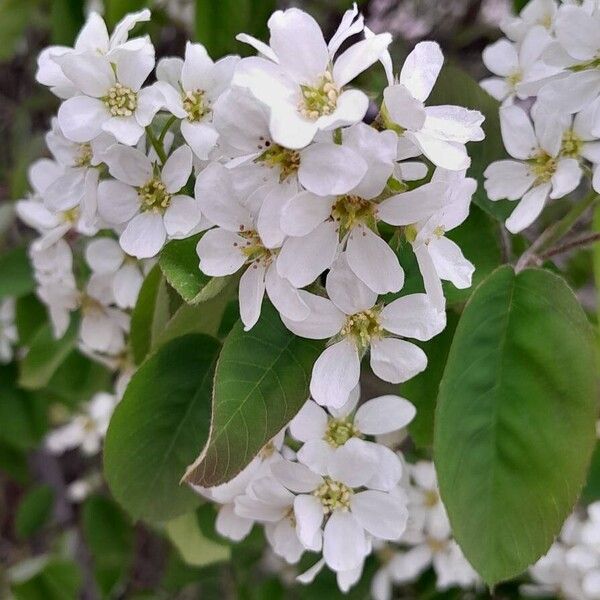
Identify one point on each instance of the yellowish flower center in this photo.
(334, 495)
(513, 79)
(319, 100)
(339, 431)
(350, 211)
(253, 248)
(84, 156)
(275, 156)
(121, 101)
(153, 195)
(431, 498)
(196, 105)
(363, 327)
(436, 546)
(71, 216)
(543, 167)
(571, 144)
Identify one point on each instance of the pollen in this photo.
(319, 100)
(431, 498)
(253, 248)
(339, 431)
(543, 166)
(121, 101)
(571, 144)
(334, 495)
(71, 216)
(196, 105)
(350, 211)
(363, 327)
(153, 196)
(84, 156)
(287, 161)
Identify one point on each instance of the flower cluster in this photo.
(550, 57)
(269, 160)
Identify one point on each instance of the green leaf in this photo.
(422, 390)
(30, 315)
(16, 275)
(514, 425)
(596, 258)
(591, 492)
(56, 580)
(454, 86)
(109, 536)
(195, 549)
(179, 263)
(261, 382)
(117, 9)
(15, 16)
(46, 354)
(150, 314)
(34, 511)
(67, 18)
(159, 427)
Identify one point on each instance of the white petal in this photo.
(316, 454)
(104, 255)
(90, 73)
(304, 212)
(351, 108)
(508, 179)
(396, 360)
(126, 285)
(517, 132)
(126, 129)
(381, 514)
(284, 296)
(144, 235)
(421, 69)
(196, 67)
(261, 47)
(364, 250)
(335, 374)
(389, 472)
(219, 252)
(450, 263)
(501, 58)
(324, 320)
(403, 108)
(529, 208)
(126, 24)
(182, 216)
(330, 169)
(454, 123)
(202, 137)
(566, 177)
(344, 542)
(578, 32)
(448, 155)
(229, 525)
(150, 100)
(268, 223)
(497, 88)
(302, 260)
(177, 170)
(413, 316)
(573, 92)
(251, 292)
(413, 206)
(354, 463)
(117, 201)
(81, 118)
(308, 512)
(359, 57)
(128, 165)
(384, 414)
(309, 423)
(346, 290)
(289, 129)
(296, 477)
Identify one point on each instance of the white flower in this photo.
(87, 429)
(103, 327)
(542, 169)
(93, 37)
(326, 436)
(298, 78)
(357, 323)
(148, 199)
(191, 87)
(426, 223)
(105, 257)
(439, 132)
(237, 242)
(535, 13)
(111, 97)
(320, 226)
(8, 330)
(352, 514)
(519, 68)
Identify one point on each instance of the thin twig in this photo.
(584, 240)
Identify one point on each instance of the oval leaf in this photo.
(514, 425)
(159, 427)
(261, 382)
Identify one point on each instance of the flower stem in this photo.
(157, 145)
(584, 240)
(166, 128)
(555, 232)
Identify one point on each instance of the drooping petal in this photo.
(182, 216)
(566, 177)
(380, 514)
(344, 542)
(404, 109)
(323, 321)
(284, 296)
(128, 165)
(346, 290)
(177, 170)
(413, 206)
(229, 525)
(219, 252)
(104, 255)
(296, 477)
(529, 208)
(384, 414)
(126, 129)
(308, 512)
(202, 137)
(144, 235)
(251, 292)
(517, 132)
(396, 360)
(413, 316)
(450, 263)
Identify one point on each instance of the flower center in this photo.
(121, 101)
(363, 327)
(286, 160)
(436, 545)
(339, 431)
(267, 450)
(84, 156)
(71, 216)
(153, 195)
(350, 211)
(430, 498)
(334, 495)
(253, 247)
(571, 144)
(319, 100)
(513, 79)
(543, 167)
(195, 106)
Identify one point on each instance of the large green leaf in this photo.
(514, 425)
(109, 537)
(150, 314)
(53, 579)
(34, 511)
(261, 382)
(46, 354)
(159, 427)
(454, 86)
(16, 276)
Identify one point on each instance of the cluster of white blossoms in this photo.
(269, 162)
(548, 79)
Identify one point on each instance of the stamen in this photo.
(84, 157)
(339, 431)
(350, 211)
(121, 101)
(319, 100)
(363, 327)
(196, 105)
(334, 495)
(153, 195)
(288, 161)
